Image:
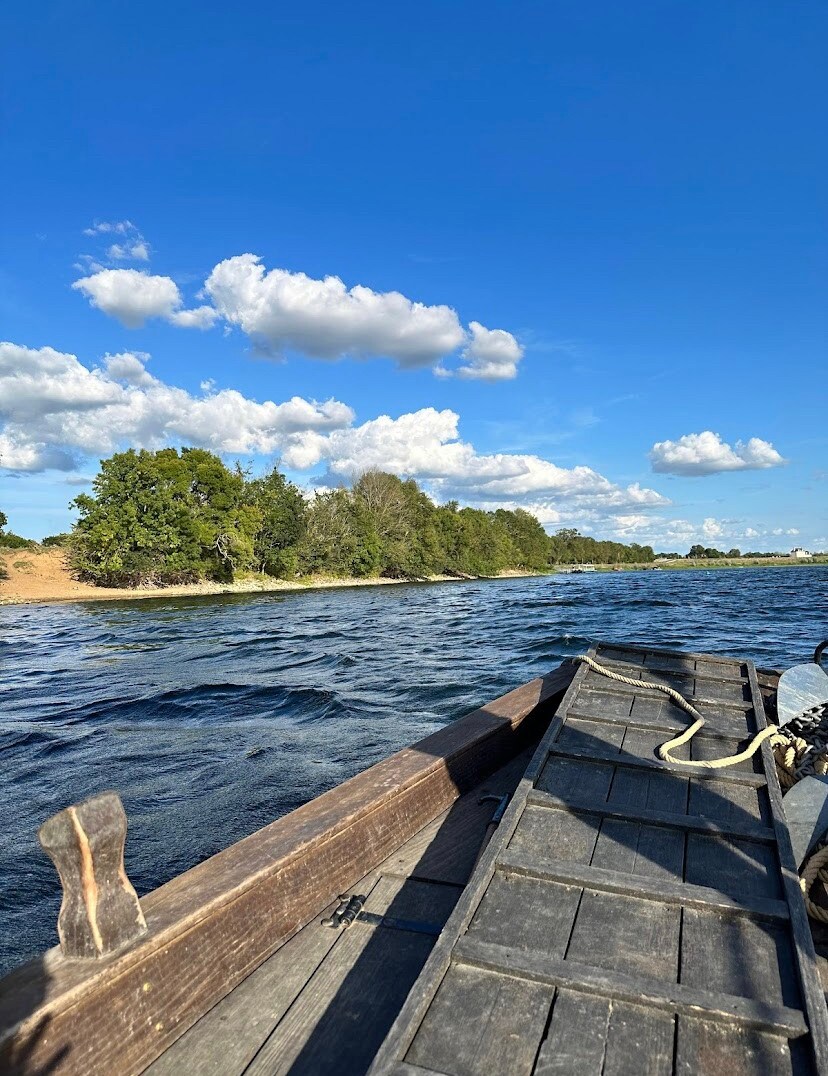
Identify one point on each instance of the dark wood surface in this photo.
(324, 1001)
(629, 915)
(208, 929)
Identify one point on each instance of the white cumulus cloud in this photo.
(327, 320)
(280, 310)
(133, 296)
(54, 409)
(706, 453)
(426, 445)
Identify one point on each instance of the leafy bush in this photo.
(8, 540)
(57, 540)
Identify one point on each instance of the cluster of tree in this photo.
(570, 547)
(176, 517)
(700, 552)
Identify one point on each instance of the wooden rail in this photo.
(210, 927)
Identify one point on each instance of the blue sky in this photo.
(580, 250)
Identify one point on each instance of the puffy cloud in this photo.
(326, 320)
(680, 534)
(136, 251)
(279, 310)
(491, 354)
(114, 227)
(133, 296)
(706, 453)
(55, 409)
(426, 445)
(133, 246)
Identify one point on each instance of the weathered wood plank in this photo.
(482, 1022)
(577, 1037)
(209, 928)
(661, 889)
(526, 913)
(229, 1036)
(705, 1048)
(643, 851)
(733, 866)
(605, 764)
(748, 830)
(640, 1042)
(622, 933)
(569, 836)
(752, 959)
(657, 994)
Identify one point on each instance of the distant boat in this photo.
(579, 569)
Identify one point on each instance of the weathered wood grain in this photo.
(482, 1019)
(640, 889)
(209, 928)
(100, 913)
(654, 993)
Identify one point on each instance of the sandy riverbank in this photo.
(42, 576)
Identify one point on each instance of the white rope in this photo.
(666, 749)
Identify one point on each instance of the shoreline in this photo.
(37, 577)
(31, 588)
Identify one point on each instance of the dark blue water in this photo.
(211, 717)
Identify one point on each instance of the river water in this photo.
(213, 716)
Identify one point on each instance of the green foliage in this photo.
(57, 540)
(163, 517)
(3, 521)
(567, 546)
(25, 566)
(176, 517)
(282, 515)
(8, 540)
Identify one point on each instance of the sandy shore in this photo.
(42, 576)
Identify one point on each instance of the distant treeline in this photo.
(177, 517)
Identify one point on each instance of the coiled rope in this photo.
(666, 749)
(795, 758)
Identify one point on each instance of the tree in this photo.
(529, 539)
(339, 538)
(161, 517)
(734, 553)
(3, 521)
(696, 551)
(282, 524)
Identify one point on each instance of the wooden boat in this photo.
(624, 916)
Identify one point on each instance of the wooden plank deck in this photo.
(324, 1002)
(629, 916)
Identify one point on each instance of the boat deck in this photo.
(324, 1002)
(629, 916)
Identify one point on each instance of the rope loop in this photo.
(665, 751)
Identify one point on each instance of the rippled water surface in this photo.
(212, 717)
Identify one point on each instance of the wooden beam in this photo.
(210, 927)
(654, 993)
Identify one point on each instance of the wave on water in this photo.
(213, 717)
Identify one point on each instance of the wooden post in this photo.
(100, 911)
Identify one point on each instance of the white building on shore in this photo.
(800, 554)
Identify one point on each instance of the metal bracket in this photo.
(349, 908)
